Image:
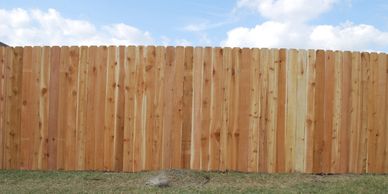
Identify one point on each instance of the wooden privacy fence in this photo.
(147, 108)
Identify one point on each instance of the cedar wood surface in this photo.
(140, 108)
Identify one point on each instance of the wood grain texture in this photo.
(29, 113)
(226, 101)
(310, 114)
(3, 57)
(281, 110)
(381, 112)
(159, 106)
(301, 106)
(91, 109)
(53, 107)
(291, 110)
(129, 108)
(71, 108)
(372, 113)
(82, 102)
(41, 135)
(139, 144)
(253, 136)
(319, 108)
(110, 102)
(355, 114)
(168, 82)
(216, 108)
(195, 162)
(13, 107)
(345, 110)
(119, 110)
(139, 108)
(328, 111)
(385, 170)
(273, 70)
(263, 116)
(362, 161)
(187, 107)
(205, 109)
(338, 115)
(243, 108)
(62, 109)
(177, 106)
(233, 129)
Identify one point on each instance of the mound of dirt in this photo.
(181, 178)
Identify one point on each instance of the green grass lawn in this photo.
(185, 181)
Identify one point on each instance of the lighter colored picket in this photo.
(195, 151)
(253, 136)
(41, 135)
(310, 124)
(273, 70)
(301, 108)
(291, 108)
(82, 108)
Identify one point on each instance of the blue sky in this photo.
(327, 24)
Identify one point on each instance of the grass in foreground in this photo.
(185, 181)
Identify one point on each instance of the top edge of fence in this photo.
(194, 47)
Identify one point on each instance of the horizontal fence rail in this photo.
(148, 108)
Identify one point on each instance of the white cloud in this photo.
(37, 27)
(268, 34)
(346, 36)
(124, 34)
(288, 10)
(287, 27)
